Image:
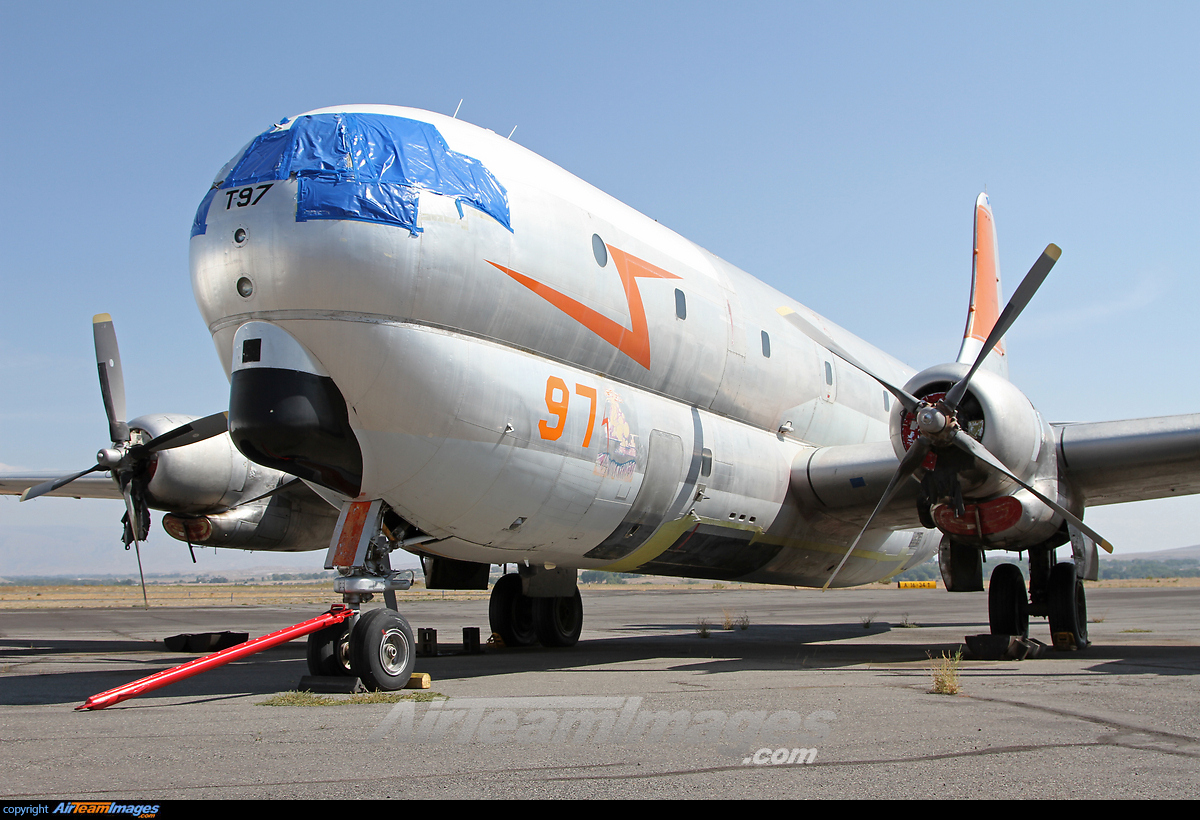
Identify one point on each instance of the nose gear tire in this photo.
(382, 651)
(329, 651)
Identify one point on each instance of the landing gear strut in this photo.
(375, 646)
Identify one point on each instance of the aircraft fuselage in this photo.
(549, 376)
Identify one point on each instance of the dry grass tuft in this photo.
(946, 678)
(702, 627)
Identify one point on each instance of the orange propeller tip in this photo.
(101, 317)
(1053, 251)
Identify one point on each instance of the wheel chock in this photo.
(418, 680)
(1064, 641)
(1003, 647)
(331, 685)
(204, 641)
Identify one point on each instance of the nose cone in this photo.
(286, 412)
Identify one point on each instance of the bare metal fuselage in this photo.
(499, 417)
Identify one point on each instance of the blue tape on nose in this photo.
(364, 167)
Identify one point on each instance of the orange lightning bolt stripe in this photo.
(633, 341)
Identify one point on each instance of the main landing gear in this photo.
(520, 619)
(1055, 591)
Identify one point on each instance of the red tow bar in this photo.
(336, 614)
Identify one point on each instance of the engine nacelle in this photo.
(206, 475)
(998, 513)
(281, 523)
(993, 412)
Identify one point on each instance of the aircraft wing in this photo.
(96, 485)
(1132, 460)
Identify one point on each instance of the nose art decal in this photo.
(633, 341)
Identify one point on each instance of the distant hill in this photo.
(1183, 553)
(1183, 562)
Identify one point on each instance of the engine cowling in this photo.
(997, 512)
(281, 523)
(203, 476)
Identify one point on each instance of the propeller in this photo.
(128, 460)
(937, 422)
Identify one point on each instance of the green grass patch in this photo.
(313, 699)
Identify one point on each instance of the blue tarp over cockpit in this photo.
(364, 167)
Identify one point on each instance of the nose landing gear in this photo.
(377, 646)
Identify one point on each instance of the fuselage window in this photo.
(680, 304)
(887, 403)
(766, 342)
(828, 373)
(706, 462)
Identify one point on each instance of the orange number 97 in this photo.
(557, 401)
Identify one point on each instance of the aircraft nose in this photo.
(286, 412)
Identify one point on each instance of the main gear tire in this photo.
(1067, 608)
(1008, 602)
(558, 621)
(511, 612)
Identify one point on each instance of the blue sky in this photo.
(832, 149)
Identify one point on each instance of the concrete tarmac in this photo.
(643, 707)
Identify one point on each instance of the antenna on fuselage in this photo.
(510, 133)
(460, 102)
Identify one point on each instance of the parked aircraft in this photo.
(440, 342)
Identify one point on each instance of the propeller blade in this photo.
(134, 528)
(55, 483)
(190, 433)
(1025, 291)
(908, 401)
(112, 381)
(980, 452)
(908, 465)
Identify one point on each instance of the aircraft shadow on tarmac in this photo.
(674, 646)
